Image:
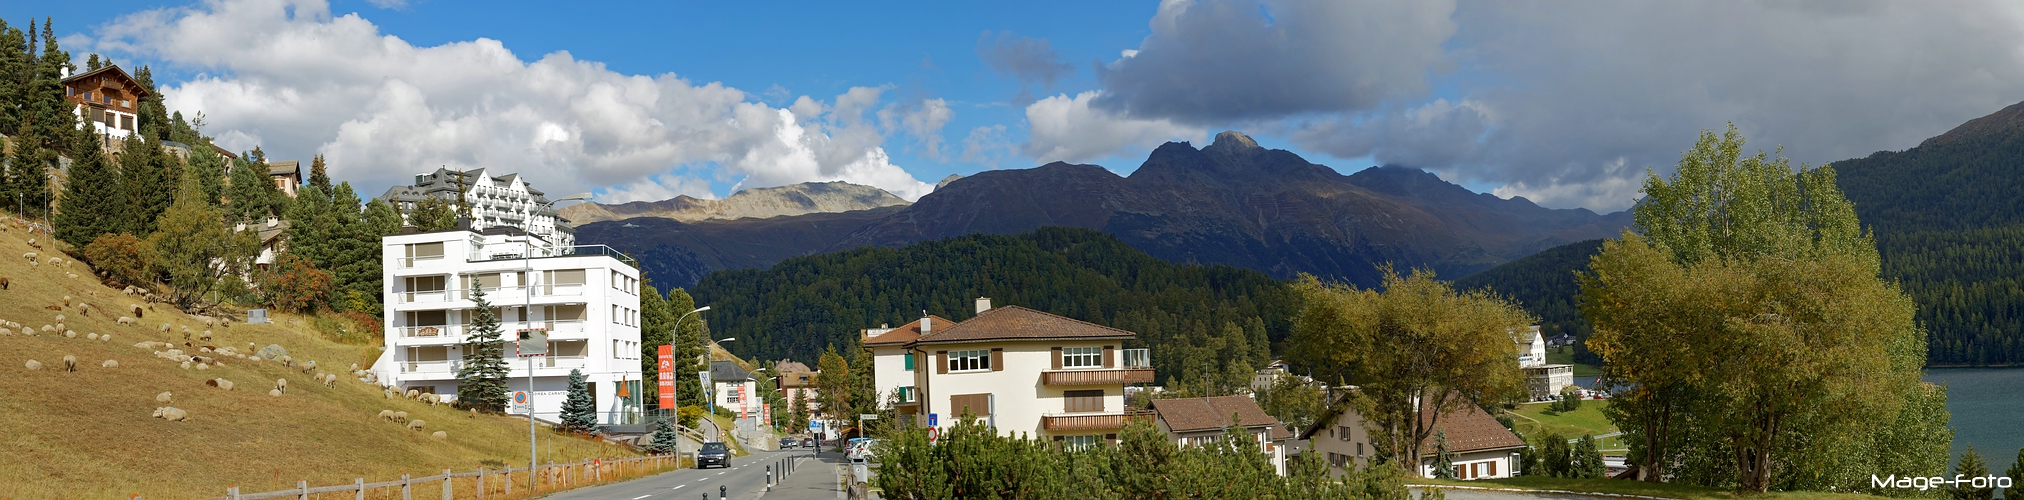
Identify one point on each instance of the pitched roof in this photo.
(905, 333)
(115, 71)
(785, 366)
(288, 167)
(1469, 429)
(727, 371)
(1211, 413)
(1019, 323)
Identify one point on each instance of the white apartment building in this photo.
(1542, 380)
(733, 388)
(586, 298)
(1021, 371)
(495, 200)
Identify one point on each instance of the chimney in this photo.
(926, 322)
(64, 72)
(983, 304)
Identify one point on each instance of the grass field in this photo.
(1683, 492)
(1532, 421)
(1565, 356)
(88, 434)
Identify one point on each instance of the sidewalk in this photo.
(813, 479)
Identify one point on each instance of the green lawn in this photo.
(1532, 421)
(1683, 492)
(1565, 356)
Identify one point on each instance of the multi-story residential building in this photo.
(796, 383)
(585, 298)
(502, 200)
(1482, 448)
(287, 175)
(733, 388)
(1195, 421)
(1021, 371)
(1543, 381)
(107, 98)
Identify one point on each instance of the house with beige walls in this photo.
(1197, 421)
(1020, 371)
(1483, 448)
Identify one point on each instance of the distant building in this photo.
(733, 388)
(586, 299)
(1543, 381)
(1482, 448)
(796, 383)
(1194, 421)
(287, 175)
(108, 98)
(501, 200)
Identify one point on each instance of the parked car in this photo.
(789, 442)
(808, 442)
(714, 453)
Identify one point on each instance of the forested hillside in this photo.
(1543, 283)
(1949, 222)
(1203, 323)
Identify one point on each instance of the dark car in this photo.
(714, 453)
(789, 442)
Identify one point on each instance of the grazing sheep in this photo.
(172, 414)
(219, 383)
(105, 338)
(35, 244)
(4, 332)
(165, 328)
(164, 397)
(439, 436)
(354, 367)
(70, 334)
(66, 303)
(83, 309)
(203, 366)
(109, 364)
(4, 283)
(287, 360)
(48, 329)
(416, 424)
(414, 393)
(69, 363)
(136, 308)
(309, 367)
(330, 380)
(91, 336)
(387, 415)
(205, 336)
(432, 399)
(71, 275)
(34, 365)
(55, 261)
(274, 392)
(401, 416)
(128, 321)
(30, 255)
(281, 384)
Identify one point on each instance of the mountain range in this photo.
(1232, 202)
(796, 199)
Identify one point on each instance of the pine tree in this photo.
(16, 64)
(432, 214)
(657, 328)
(481, 381)
(1444, 460)
(2016, 475)
(1972, 466)
(355, 248)
(665, 439)
(1589, 457)
(318, 176)
(689, 352)
(154, 119)
(246, 198)
(207, 168)
(579, 412)
(93, 201)
(1556, 459)
(144, 170)
(92, 64)
(312, 227)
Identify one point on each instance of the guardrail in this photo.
(554, 476)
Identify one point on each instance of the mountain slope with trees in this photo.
(1207, 324)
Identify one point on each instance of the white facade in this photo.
(495, 200)
(586, 298)
(1543, 381)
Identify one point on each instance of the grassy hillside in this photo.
(88, 434)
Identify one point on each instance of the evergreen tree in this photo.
(1528, 461)
(145, 169)
(657, 328)
(246, 194)
(665, 439)
(481, 381)
(154, 120)
(1444, 460)
(2016, 475)
(194, 249)
(93, 201)
(17, 64)
(1971, 466)
(318, 176)
(207, 167)
(579, 412)
(689, 351)
(1556, 459)
(91, 63)
(1588, 459)
(432, 214)
(832, 385)
(355, 248)
(381, 218)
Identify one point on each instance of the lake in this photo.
(1988, 411)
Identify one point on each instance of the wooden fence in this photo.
(483, 483)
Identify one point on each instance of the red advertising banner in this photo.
(666, 373)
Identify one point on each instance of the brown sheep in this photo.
(3, 283)
(136, 308)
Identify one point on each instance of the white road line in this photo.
(703, 479)
(678, 486)
(641, 496)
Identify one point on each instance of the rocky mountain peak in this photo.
(1233, 140)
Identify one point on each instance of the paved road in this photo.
(1460, 494)
(744, 479)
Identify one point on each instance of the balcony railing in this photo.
(407, 262)
(444, 366)
(1113, 376)
(513, 252)
(428, 332)
(425, 296)
(1090, 422)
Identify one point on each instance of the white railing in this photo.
(429, 332)
(558, 290)
(560, 362)
(445, 366)
(560, 328)
(407, 262)
(423, 296)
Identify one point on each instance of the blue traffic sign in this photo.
(933, 421)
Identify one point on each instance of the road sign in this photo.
(934, 433)
(666, 375)
(932, 421)
(867, 416)
(520, 399)
(814, 426)
(533, 342)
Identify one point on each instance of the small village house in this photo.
(1195, 421)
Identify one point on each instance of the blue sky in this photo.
(1567, 104)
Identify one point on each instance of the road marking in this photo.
(641, 496)
(703, 479)
(678, 486)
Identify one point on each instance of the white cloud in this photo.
(297, 80)
(657, 188)
(923, 120)
(1063, 128)
(987, 146)
(389, 4)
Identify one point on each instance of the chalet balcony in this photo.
(1112, 376)
(1090, 421)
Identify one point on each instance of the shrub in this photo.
(118, 257)
(690, 416)
(295, 285)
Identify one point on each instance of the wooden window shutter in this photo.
(1109, 357)
(941, 361)
(997, 359)
(1056, 352)
(1111, 439)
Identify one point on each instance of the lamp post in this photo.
(677, 333)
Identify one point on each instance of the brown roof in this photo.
(1201, 414)
(113, 71)
(906, 333)
(1019, 323)
(785, 366)
(1469, 429)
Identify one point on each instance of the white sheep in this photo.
(30, 255)
(387, 415)
(59, 317)
(48, 329)
(203, 366)
(330, 380)
(136, 308)
(83, 309)
(70, 334)
(186, 365)
(164, 397)
(4, 332)
(401, 416)
(55, 261)
(109, 364)
(128, 321)
(416, 424)
(172, 414)
(414, 393)
(309, 367)
(69, 363)
(60, 326)
(281, 384)
(91, 336)
(205, 336)
(439, 436)
(165, 328)
(105, 338)
(219, 383)
(34, 365)
(274, 392)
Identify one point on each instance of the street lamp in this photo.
(676, 333)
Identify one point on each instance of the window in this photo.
(1359, 449)
(979, 359)
(1083, 401)
(1080, 442)
(1081, 357)
(425, 284)
(1342, 432)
